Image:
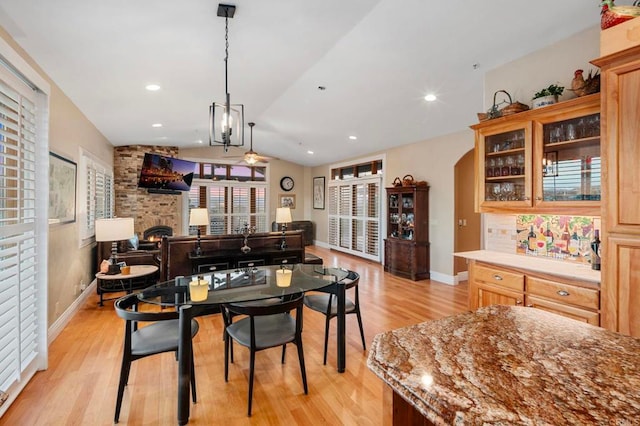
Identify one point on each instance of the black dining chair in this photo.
(265, 326)
(327, 304)
(161, 335)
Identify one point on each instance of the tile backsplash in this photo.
(561, 237)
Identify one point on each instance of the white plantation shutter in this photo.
(231, 205)
(23, 217)
(97, 195)
(354, 216)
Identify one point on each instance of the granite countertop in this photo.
(512, 365)
(565, 269)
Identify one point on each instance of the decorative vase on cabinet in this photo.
(406, 248)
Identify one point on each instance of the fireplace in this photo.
(152, 236)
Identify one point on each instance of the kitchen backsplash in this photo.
(566, 238)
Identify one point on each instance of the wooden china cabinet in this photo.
(406, 248)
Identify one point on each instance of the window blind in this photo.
(354, 216)
(22, 325)
(96, 182)
(230, 205)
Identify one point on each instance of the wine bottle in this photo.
(531, 239)
(549, 237)
(574, 243)
(565, 238)
(595, 251)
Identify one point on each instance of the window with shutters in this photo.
(235, 195)
(96, 195)
(353, 199)
(23, 224)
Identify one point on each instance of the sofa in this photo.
(306, 226)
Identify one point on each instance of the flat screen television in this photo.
(162, 174)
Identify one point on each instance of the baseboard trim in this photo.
(62, 321)
(442, 278)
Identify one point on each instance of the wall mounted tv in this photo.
(166, 175)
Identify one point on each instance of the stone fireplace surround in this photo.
(147, 210)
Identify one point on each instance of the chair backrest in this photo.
(293, 301)
(126, 308)
(351, 280)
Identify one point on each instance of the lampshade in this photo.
(115, 229)
(283, 215)
(198, 217)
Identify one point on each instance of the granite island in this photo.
(508, 365)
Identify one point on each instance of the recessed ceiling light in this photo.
(156, 125)
(353, 138)
(310, 152)
(152, 87)
(199, 141)
(430, 97)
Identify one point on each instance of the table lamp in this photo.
(283, 216)
(198, 217)
(114, 230)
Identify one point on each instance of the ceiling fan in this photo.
(251, 157)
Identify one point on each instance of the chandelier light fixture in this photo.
(226, 120)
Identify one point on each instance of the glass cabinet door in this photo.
(401, 215)
(505, 167)
(570, 161)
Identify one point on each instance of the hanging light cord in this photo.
(226, 55)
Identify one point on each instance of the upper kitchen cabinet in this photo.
(544, 160)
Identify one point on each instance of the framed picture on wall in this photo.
(62, 189)
(318, 193)
(288, 200)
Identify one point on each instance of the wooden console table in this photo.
(216, 261)
(178, 256)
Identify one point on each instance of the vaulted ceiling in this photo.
(377, 60)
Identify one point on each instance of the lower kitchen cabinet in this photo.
(494, 285)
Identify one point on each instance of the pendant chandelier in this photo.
(226, 120)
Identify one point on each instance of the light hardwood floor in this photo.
(79, 387)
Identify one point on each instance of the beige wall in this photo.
(554, 64)
(69, 130)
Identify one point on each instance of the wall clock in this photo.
(286, 183)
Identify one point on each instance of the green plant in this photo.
(553, 90)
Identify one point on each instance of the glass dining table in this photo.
(242, 285)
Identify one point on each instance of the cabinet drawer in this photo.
(577, 314)
(564, 293)
(499, 277)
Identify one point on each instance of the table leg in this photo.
(184, 364)
(341, 328)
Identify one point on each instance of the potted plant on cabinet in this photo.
(547, 96)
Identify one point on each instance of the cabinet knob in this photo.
(497, 277)
(530, 305)
(285, 261)
(213, 268)
(526, 198)
(563, 293)
(518, 302)
(538, 198)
